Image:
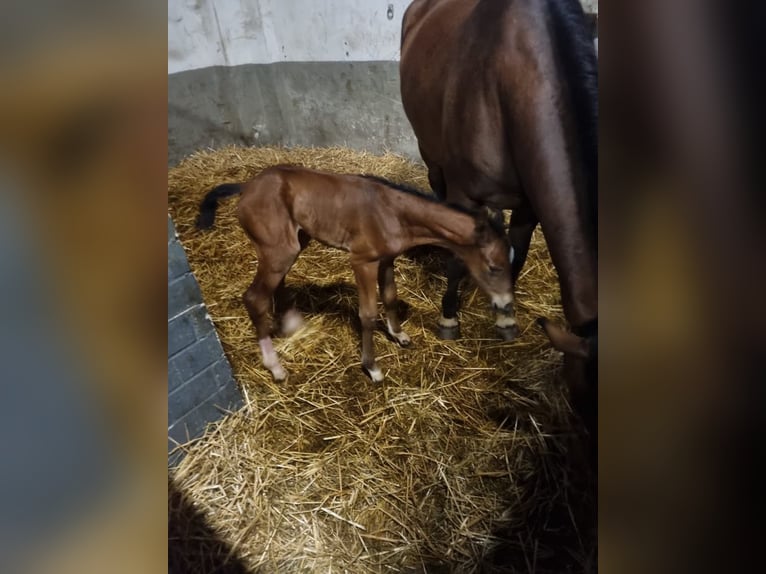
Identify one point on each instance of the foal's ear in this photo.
(564, 341)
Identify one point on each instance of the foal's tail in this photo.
(210, 203)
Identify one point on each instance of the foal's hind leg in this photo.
(365, 274)
(449, 328)
(387, 287)
(284, 303)
(258, 300)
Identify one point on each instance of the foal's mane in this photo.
(495, 225)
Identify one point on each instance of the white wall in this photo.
(204, 33)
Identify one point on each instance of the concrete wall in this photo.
(205, 33)
(289, 103)
(200, 383)
(257, 72)
(298, 72)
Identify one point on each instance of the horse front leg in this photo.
(449, 327)
(387, 287)
(366, 274)
(523, 223)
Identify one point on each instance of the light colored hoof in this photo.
(402, 338)
(279, 373)
(291, 322)
(375, 374)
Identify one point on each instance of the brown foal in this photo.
(374, 220)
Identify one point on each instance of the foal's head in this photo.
(489, 264)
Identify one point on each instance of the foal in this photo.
(284, 207)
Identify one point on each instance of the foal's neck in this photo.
(437, 224)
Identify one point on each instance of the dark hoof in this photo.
(508, 333)
(448, 333)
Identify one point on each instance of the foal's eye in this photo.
(494, 269)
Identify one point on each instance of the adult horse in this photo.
(502, 96)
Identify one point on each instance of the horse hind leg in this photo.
(291, 320)
(258, 301)
(387, 287)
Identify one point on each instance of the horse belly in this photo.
(328, 234)
(324, 229)
(478, 163)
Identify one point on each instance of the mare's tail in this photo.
(209, 204)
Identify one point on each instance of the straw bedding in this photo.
(462, 460)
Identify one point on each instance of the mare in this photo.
(503, 98)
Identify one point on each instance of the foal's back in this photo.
(349, 212)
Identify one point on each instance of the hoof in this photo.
(291, 322)
(448, 333)
(508, 333)
(279, 373)
(375, 374)
(403, 339)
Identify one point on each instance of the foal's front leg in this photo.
(365, 274)
(387, 287)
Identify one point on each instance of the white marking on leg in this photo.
(291, 322)
(271, 360)
(449, 323)
(402, 337)
(502, 301)
(279, 373)
(511, 254)
(504, 321)
(376, 374)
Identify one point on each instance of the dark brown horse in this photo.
(284, 207)
(502, 96)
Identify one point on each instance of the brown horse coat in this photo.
(501, 96)
(284, 207)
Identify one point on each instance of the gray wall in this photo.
(356, 104)
(265, 72)
(200, 383)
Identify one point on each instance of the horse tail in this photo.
(209, 203)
